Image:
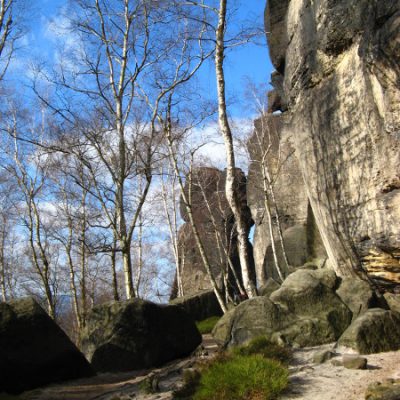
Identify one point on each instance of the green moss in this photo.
(207, 325)
(242, 378)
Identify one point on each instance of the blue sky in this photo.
(248, 62)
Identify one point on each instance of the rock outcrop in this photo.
(304, 311)
(135, 334)
(215, 223)
(34, 351)
(337, 74)
(308, 310)
(273, 160)
(199, 306)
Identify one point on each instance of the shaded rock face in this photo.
(220, 240)
(273, 158)
(199, 306)
(339, 63)
(304, 311)
(34, 351)
(135, 334)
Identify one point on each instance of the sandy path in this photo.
(308, 381)
(327, 382)
(123, 386)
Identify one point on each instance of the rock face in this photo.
(219, 240)
(34, 351)
(273, 158)
(199, 306)
(135, 334)
(338, 75)
(304, 311)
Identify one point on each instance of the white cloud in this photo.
(212, 148)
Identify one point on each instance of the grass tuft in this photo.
(261, 345)
(254, 371)
(207, 325)
(242, 378)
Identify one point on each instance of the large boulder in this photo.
(374, 331)
(304, 311)
(321, 317)
(199, 306)
(357, 295)
(135, 334)
(258, 316)
(34, 350)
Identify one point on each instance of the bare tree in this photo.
(10, 31)
(30, 171)
(226, 132)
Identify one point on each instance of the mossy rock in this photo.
(375, 331)
(255, 317)
(136, 334)
(357, 295)
(304, 311)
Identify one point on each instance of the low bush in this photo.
(261, 345)
(207, 325)
(242, 378)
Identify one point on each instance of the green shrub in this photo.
(207, 325)
(261, 345)
(242, 378)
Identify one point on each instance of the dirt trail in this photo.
(308, 381)
(127, 385)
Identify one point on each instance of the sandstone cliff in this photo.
(337, 82)
(215, 223)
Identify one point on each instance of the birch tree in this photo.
(226, 132)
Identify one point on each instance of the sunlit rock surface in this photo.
(339, 62)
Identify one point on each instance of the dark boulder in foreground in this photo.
(34, 351)
(135, 334)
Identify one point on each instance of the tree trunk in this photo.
(231, 194)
